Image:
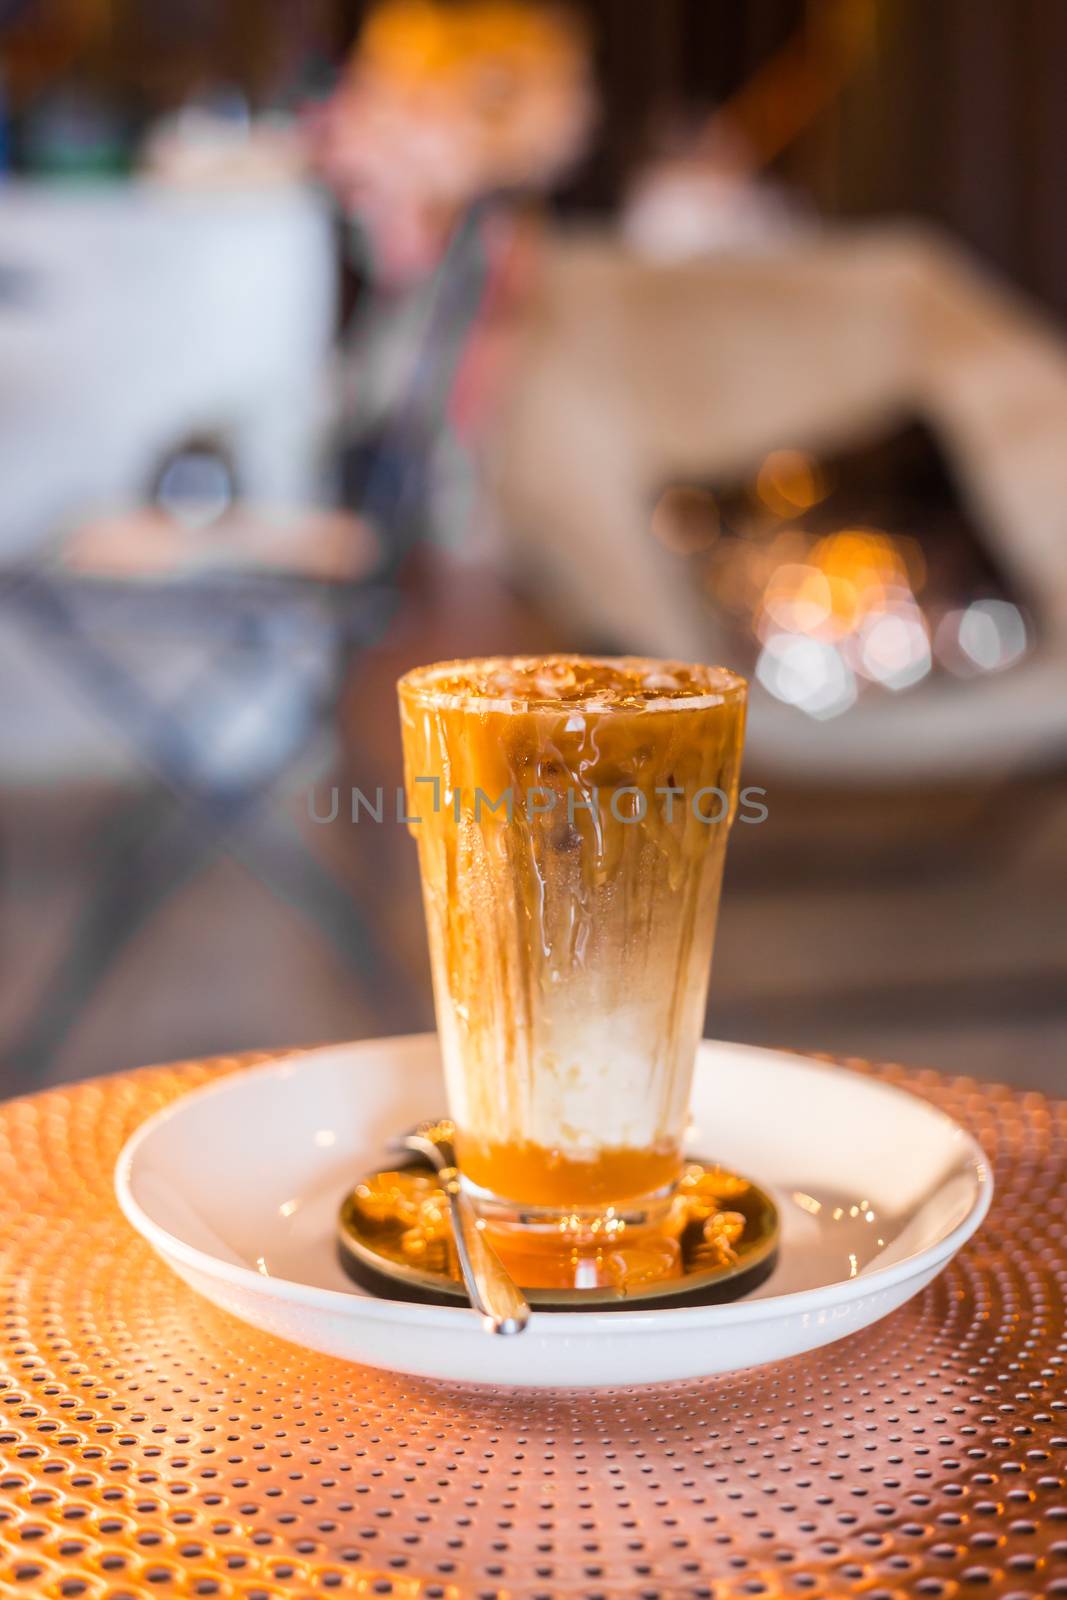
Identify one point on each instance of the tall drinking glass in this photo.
(571, 815)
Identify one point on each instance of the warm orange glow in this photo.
(828, 612)
(790, 482)
(419, 41)
(864, 569)
(844, 579)
(799, 598)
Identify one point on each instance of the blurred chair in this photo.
(628, 377)
(218, 655)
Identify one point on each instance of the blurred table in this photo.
(151, 1444)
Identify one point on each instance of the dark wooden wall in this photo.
(963, 118)
(959, 114)
(655, 56)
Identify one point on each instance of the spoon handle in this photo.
(491, 1290)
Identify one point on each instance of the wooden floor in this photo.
(930, 930)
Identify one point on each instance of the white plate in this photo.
(237, 1187)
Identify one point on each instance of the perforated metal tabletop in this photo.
(152, 1445)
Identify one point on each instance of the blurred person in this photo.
(444, 121)
(442, 105)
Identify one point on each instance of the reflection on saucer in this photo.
(717, 1243)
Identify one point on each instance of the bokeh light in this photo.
(790, 482)
(986, 636)
(894, 648)
(808, 673)
(844, 606)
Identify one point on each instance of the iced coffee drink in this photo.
(571, 815)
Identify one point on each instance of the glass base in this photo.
(589, 1223)
(574, 1247)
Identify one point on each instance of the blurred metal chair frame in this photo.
(246, 598)
(201, 800)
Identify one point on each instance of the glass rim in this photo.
(720, 685)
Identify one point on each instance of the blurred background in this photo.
(338, 338)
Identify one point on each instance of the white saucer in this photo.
(237, 1187)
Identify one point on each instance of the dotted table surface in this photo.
(151, 1445)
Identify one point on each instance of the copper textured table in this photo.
(151, 1445)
